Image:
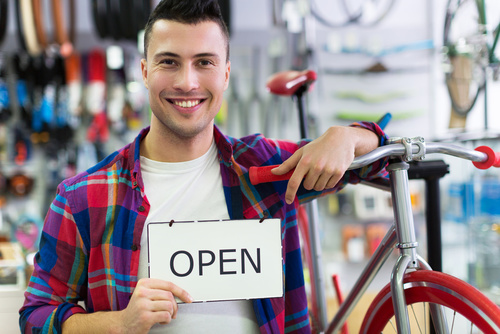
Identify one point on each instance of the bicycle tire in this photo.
(441, 289)
(351, 18)
(357, 17)
(463, 90)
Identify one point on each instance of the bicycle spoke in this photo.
(453, 322)
(393, 327)
(416, 319)
(425, 317)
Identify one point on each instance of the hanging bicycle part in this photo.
(127, 18)
(351, 12)
(65, 25)
(468, 54)
(4, 11)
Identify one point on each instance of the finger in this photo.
(162, 317)
(313, 176)
(169, 306)
(288, 164)
(294, 184)
(333, 181)
(328, 180)
(171, 287)
(183, 295)
(322, 181)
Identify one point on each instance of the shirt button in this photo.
(134, 248)
(141, 208)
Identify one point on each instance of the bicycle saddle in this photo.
(289, 82)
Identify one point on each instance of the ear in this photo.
(144, 70)
(228, 72)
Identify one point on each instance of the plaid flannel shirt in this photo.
(90, 244)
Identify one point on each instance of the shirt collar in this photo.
(223, 143)
(134, 158)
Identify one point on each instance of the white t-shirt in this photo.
(192, 190)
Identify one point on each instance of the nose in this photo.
(186, 79)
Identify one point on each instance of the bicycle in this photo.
(469, 46)
(412, 283)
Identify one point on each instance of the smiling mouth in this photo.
(186, 103)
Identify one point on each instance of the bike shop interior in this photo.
(371, 58)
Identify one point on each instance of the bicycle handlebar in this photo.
(482, 157)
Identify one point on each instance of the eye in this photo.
(205, 62)
(167, 61)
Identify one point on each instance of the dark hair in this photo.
(188, 12)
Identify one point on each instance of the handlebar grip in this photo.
(492, 160)
(264, 174)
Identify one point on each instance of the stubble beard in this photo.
(180, 132)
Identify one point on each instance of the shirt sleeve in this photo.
(59, 275)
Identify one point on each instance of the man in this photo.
(93, 246)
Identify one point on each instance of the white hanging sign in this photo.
(219, 260)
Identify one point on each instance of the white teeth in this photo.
(187, 104)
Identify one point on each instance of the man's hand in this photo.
(324, 161)
(153, 301)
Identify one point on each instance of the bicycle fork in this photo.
(407, 243)
(405, 231)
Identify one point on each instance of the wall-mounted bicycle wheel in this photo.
(465, 54)
(466, 309)
(346, 12)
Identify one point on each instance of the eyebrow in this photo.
(198, 55)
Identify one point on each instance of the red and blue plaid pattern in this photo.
(89, 250)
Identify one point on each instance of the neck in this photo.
(168, 148)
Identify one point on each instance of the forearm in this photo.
(365, 140)
(369, 144)
(98, 322)
(361, 140)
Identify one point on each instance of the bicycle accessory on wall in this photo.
(20, 184)
(5, 108)
(120, 20)
(469, 46)
(31, 27)
(19, 26)
(363, 13)
(38, 16)
(29, 31)
(99, 17)
(65, 29)
(74, 83)
(4, 11)
(27, 231)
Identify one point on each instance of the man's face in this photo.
(186, 74)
